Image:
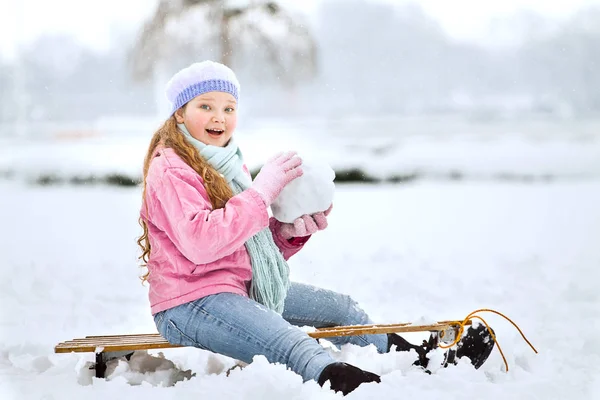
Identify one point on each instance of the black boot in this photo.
(477, 344)
(404, 345)
(345, 377)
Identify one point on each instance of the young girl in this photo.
(216, 262)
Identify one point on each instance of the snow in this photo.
(518, 232)
(308, 194)
(397, 148)
(423, 251)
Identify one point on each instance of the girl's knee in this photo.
(352, 312)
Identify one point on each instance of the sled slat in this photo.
(113, 348)
(381, 329)
(132, 335)
(116, 340)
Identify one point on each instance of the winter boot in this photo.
(404, 345)
(477, 344)
(345, 377)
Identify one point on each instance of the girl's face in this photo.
(211, 117)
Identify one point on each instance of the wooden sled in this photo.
(111, 347)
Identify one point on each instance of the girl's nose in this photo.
(218, 117)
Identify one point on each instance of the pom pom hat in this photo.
(199, 78)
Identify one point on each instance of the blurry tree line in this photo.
(371, 59)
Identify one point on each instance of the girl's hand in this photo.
(305, 225)
(276, 174)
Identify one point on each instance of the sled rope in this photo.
(472, 315)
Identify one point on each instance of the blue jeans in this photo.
(240, 328)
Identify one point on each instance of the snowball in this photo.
(311, 193)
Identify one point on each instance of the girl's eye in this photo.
(229, 109)
(205, 107)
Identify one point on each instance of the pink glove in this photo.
(305, 225)
(277, 172)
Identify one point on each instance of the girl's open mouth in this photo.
(215, 132)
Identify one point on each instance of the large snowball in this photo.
(308, 194)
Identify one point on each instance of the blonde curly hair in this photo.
(169, 136)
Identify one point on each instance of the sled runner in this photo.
(444, 334)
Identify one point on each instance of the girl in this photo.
(216, 262)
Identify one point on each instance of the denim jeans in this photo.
(238, 327)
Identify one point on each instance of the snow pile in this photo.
(140, 367)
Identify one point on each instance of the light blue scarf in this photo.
(270, 271)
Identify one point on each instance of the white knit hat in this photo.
(199, 78)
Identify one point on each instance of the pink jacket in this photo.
(195, 251)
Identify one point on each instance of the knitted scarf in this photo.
(270, 271)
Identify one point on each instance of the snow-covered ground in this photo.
(426, 250)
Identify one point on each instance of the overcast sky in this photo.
(21, 21)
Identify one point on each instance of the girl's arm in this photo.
(179, 206)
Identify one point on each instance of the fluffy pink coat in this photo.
(197, 251)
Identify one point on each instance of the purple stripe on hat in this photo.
(196, 89)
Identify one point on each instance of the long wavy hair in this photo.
(169, 136)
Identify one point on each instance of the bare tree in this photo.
(252, 28)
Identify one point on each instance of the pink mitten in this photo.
(276, 174)
(305, 225)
